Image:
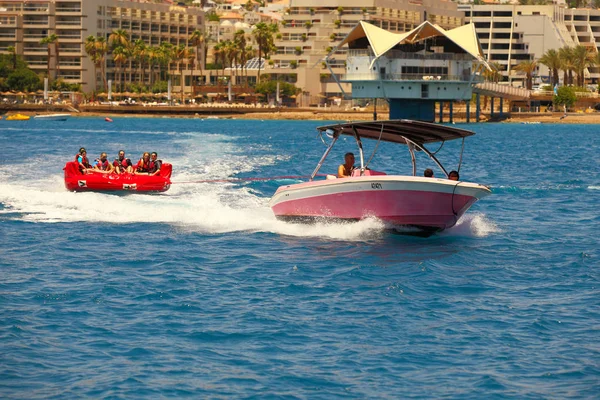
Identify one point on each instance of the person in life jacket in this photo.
(143, 166)
(155, 165)
(82, 160)
(122, 164)
(103, 166)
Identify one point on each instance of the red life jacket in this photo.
(124, 163)
(84, 160)
(142, 166)
(154, 165)
(103, 165)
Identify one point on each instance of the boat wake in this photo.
(200, 208)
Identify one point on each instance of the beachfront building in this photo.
(24, 23)
(511, 34)
(311, 29)
(413, 70)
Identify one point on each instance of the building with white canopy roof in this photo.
(413, 70)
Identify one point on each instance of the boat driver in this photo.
(122, 164)
(345, 170)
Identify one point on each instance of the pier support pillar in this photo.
(501, 106)
(451, 112)
(468, 111)
(477, 107)
(441, 112)
(492, 107)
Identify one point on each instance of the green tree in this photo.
(120, 56)
(551, 60)
(567, 64)
(528, 67)
(263, 33)
(24, 80)
(565, 96)
(13, 53)
(50, 41)
(582, 59)
(268, 87)
(197, 39)
(139, 52)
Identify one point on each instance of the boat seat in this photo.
(368, 172)
(330, 177)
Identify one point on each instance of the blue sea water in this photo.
(199, 292)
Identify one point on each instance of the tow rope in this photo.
(270, 178)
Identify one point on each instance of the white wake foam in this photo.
(473, 224)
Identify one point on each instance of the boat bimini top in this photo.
(414, 134)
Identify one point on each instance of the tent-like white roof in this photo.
(379, 39)
(382, 41)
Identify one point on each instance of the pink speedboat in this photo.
(410, 204)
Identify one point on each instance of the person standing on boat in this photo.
(82, 160)
(143, 166)
(103, 166)
(345, 170)
(122, 164)
(454, 176)
(154, 167)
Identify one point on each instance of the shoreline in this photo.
(306, 115)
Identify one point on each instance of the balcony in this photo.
(35, 50)
(34, 36)
(68, 10)
(34, 9)
(36, 23)
(69, 23)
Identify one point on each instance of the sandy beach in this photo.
(319, 114)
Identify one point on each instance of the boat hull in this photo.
(98, 182)
(53, 117)
(424, 204)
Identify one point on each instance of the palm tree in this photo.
(582, 59)
(120, 37)
(218, 50)
(191, 56)
(494, 74)
(250, 53)
(153, 59)
(197, 39)
(90, 49)
(263, 33)
(567, 64)
(551, 60)
(50, 41)
(239, 40)
(120, 57)
(231, 53)
(180, 54)
(165, 57)
(101, 51)
(528, 67)
(140, 54)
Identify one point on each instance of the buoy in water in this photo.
(107, 119)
